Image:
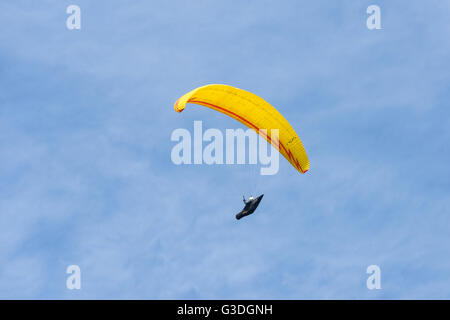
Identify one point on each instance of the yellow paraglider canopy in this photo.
(253, 112)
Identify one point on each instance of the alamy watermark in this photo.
(74, 279)
(374, 20)
(238, 147)
(374, 280)
(74, 20)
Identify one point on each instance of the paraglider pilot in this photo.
(250, 206)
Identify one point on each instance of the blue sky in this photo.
(86, 177)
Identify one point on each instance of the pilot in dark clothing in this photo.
(250, 206)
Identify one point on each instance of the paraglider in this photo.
(255, 113)
(250, 207)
